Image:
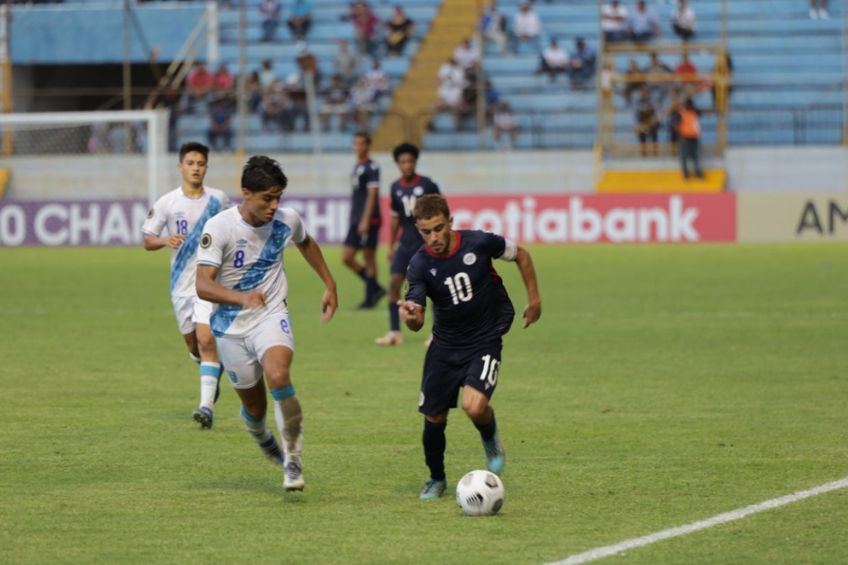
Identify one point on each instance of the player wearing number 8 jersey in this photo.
(472, 312)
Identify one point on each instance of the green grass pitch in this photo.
(663, 385)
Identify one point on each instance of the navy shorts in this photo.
(446, 370)
(368, 240)
(403, 255)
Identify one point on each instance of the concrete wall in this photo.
(797, 169)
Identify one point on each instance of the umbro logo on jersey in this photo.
(205, 240)
(241, 243)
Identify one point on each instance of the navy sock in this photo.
(394, 317)
(487, 431)
(434, 448)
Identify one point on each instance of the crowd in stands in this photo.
(642, 24)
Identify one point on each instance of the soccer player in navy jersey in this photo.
(404, 192)
(472, 312)
(365, 220)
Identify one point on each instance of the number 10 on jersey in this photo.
(460, 287)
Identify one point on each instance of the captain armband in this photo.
(510, 251)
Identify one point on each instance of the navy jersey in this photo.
(470, 303)
(365, 174)
(403, 197)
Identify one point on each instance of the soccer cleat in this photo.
(391, 338)
(203, 416)
(293, 476)
(495, 456)
(272, 451)
(433, 489)
(378, 295)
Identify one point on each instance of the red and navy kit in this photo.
(402, 201)
(365, 173)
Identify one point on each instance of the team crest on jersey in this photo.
(418, 191)
(205, 240)
(469, 259)
(150, 214)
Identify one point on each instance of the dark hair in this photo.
(261, 173)
(364, 135)
(405, 148)
(430, 206)
(193, 146)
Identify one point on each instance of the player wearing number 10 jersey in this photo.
(182, 213)
(472, 312)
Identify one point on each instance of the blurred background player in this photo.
(365, 221)
(404, 192)
(472, 312)
(184, 211)
(240, 267)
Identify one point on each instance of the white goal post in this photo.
(83, 141)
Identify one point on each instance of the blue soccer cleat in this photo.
(203, 416)
(495, 456)
(433, 489)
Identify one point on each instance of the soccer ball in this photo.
(480, 493)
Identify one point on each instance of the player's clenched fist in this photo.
(175, 241)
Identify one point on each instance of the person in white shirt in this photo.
(466, 54)
(183, 212)
(683, 20)
(528, 26)
(818, 9)
(553, 61)
(614, 18)
(240, 268)
(644, 25)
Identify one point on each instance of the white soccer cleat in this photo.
(293, 476)
(391, 338)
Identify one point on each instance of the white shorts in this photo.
(241, 355)
(191, 310)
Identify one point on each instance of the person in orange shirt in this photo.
(689, 132)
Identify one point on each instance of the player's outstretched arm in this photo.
(152, 243)
(210, 289)
(533, 310)
(411, 313)
(311, 251)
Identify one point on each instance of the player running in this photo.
(404, 192)
(240, 267)
(472, 312)
(184, 211)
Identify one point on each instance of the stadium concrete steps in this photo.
(415, 97)
(660, 181)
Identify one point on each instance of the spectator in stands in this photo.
(296, 93)
(672, 113)
(307, 63)
(466, 54)
(275, 108)
(614, 22)
(377, 81)
(224, 82)
(687, 73)
(683, 20)
(658, 73)
(220, 123)
(493, 27)
(270, 10)
(689, 130)
(254, 92)
(644, 25)
(581, 64)
(266, 74)
(451, 84)
(199, 83)
(818, 9)
(399, 30)
(335, 102)
(300, 19)
(528, 26)
(647, 122)
(506, 126)
(474, 79)
(361, 104)
(365, 29)
(634, 80)
(346, 64)
(553, 61)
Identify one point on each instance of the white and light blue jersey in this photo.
(249, 258)
(185, 216)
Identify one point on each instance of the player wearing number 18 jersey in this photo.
(182, 213)
(472, 312)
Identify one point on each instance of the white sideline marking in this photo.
(738, 514)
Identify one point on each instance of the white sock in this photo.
(209, 374)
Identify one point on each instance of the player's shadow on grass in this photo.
(260, 486)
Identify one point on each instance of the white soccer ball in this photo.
(480, 493)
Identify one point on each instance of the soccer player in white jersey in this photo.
(182, 213)
(240, 267)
